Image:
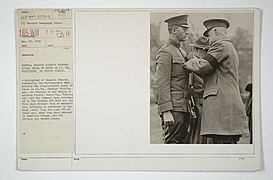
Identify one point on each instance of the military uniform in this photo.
(171, 89)
(201, 44)
(224, 117)
(198, 92)
(224, 112)
(249, 110)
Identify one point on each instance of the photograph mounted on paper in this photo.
(138, 89)
(201, 77)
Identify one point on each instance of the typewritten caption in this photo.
(46, 99)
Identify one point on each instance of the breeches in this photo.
(195, 137)
(176, 133)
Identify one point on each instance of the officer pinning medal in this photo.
(197, 93)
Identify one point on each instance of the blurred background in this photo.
(240, 32)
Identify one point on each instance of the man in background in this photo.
(248, 88)
(200, 49)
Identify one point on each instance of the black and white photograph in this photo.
(113, 87)
(201, 77)
(137, 89)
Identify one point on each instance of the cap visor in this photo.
(185, 26)
(199, 46)
(206, 32)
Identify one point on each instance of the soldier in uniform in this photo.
(224, 117)
(249, 110)
(171, 82)
(200, 49)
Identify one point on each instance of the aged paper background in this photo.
(8, 77)
(111, 71)
(44, 67)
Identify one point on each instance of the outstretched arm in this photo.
(198, 66)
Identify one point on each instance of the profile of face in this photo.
(212, 35)
(181, 33)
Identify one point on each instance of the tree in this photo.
(242, 42)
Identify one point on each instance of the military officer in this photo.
(171, 82)
(224, 117)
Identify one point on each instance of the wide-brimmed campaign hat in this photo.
(202, 43)
(181, 20)
(212, 23)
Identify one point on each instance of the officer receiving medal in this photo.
(171, 82)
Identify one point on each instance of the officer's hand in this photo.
(189, 56)
(168, 118)
(191, 64)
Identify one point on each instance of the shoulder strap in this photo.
(183, 53)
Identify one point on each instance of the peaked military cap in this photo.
(202, 43)
(181, 20)
(212, 23)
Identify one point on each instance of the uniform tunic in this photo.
(171, 89)
(171, 84)
(223, 109)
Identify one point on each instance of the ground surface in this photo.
(156, 130)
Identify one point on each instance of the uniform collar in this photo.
(174, 43)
